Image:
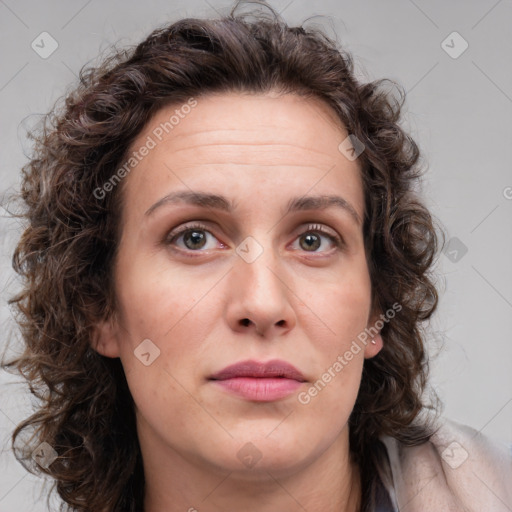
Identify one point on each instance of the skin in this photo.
(305, 305)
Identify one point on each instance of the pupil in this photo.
(197, 238)
(312, 241)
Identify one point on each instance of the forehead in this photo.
(228, 118)
(287, 141)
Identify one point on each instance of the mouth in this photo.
(259, 382)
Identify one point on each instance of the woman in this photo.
(225, 273)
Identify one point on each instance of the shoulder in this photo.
(458, 469)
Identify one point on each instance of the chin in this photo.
(257, 457)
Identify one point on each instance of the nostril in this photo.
(280, 323)
(245, 322)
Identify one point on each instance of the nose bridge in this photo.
(259, 274)
(261, 297)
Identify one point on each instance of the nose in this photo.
(259, 298)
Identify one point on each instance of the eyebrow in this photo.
(321, 203)
(220, 202)
(194, 198)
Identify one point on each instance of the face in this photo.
(215, 268)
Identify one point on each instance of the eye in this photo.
(313, 238)
(197, 237)
(191, 237)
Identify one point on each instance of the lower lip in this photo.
(260, 389)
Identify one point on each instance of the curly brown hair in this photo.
(66, 253)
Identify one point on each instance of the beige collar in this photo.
(458, 470)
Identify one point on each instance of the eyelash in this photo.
(311, 228)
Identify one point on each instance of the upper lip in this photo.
(275, 368)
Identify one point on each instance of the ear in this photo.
(104, 338)
(373, 329)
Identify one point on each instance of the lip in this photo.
(260, 382)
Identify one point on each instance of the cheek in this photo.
(341, 307)
(353, 308)
(177, 312)
(155, 299)
(176, 315)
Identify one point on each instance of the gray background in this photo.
(458, 110)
